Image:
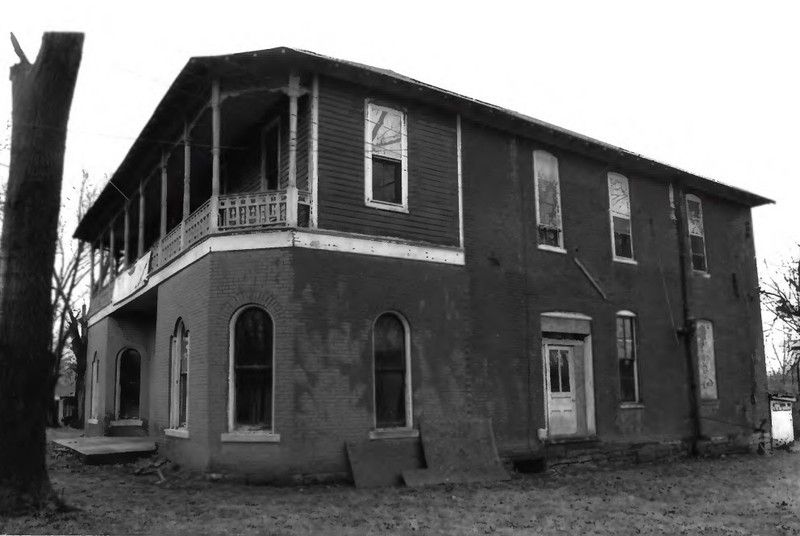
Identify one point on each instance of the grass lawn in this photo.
(732, 495)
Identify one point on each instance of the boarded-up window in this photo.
(391, 372)
(179, 388)
(386, 161)
(706, 361)
(627, 358)
(548, 199)
(619, 201)
(694, 212)
(253, 364)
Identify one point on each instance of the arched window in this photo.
(179, 377)
(94, 385)
(706, 361)
(619, 204)
(697, 240)
(627, 357)
(390, 344)
(251, 396)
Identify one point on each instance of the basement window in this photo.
(619, 202)
(390, 343)
(386, 158)
(697, 242)
(548, 200)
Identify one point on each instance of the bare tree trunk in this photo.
(42, 97)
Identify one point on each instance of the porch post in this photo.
(91, 269)
(313, 175)
(163, 195)
(141, 220)
(187, 181)
(126, 237)
(112, 246)
(215, 141)
(291, 189)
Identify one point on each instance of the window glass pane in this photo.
(564, 358)
(619, 199)
(182, 401)
(555, 365)
(695, 217)
(253, 338)
(546, 170)
(184, 352)
(549, 236)
(698, 252)
(254, 396)
(389, 342)
(390, 371)
(386, 132)
(627, 376)
(387, 183)
(706, 360)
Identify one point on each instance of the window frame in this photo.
(368, 191)
(94, 390)
(560, 248)
(694, 198)
(713, 355)
(630, 316)
(234, 429)
(178, 334)
(612, 214)
(408, 394)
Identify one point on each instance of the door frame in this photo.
(570, 323)
(546, 347)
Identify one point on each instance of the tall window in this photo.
(252, 370)
(390, 340)
(627, 357)
(619, 202)
(95, 387)
(697, 241)
(386, 158)
(548, 200)
(179, 388)
(704, 332)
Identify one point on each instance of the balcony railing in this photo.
(236, 212)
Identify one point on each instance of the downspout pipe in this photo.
(686, 331)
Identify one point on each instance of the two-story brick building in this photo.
(299, 251)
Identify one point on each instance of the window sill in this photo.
(250, 437)
(704, 275)
(389, 433)
(394, 207)
(126, 422)
(183, 433)
(554, 249)
(625, 260)
(92, 421)
(631, 405)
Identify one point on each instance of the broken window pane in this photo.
(385, 137)
(704, 331)
(619, 197)
(623, 246)
(386, 132)
(389, 348)
(548, 198)
(387, 182)
(619, 202)
(253, 368)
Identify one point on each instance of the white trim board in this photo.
(300, 238)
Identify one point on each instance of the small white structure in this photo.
(781, 409)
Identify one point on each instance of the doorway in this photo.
(129, 383)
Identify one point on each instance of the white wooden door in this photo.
(562, 405)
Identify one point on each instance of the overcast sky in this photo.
(709, 87)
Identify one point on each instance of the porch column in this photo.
(313, 136)
(141, 220)
(187, 181)
(291, 189)
(126, 236)
(91, 269)
(215, 142)
(112, 245)
(163, 195)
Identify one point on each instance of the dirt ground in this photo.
(732, 495)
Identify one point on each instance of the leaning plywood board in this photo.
(382, 462)
(458, 452)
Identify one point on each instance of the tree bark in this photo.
(41, 97)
